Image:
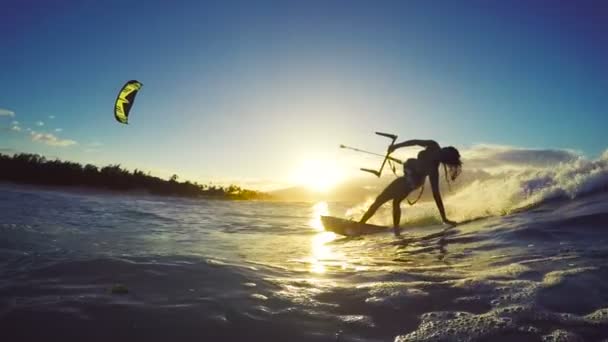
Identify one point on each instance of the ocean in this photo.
(85, 266)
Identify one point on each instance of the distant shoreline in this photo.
(36, 171)
(84, 190)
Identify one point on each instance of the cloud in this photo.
(50, 139)
(58, 129)
(39, 123)
(51, 117)
(92, 147)
(7, 150)
(16, 128)
(6, 112)
(492, 156)
(15, 122)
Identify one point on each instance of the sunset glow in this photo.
(317, 175)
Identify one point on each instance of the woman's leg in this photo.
(380, 200)
(398, 189)
(397, 214)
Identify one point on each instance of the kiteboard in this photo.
(349, 227)
(353, 228)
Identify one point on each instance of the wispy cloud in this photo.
(58, 130)
(6, 112)
(15, 122)
(93, 147)
(39, 123)
(7, 150)
(51, 117)
(16, 128)
(50, 139)
(490, 156)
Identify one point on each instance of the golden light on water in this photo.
(318, 210)
(320, 252)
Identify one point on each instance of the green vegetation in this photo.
(37, 170)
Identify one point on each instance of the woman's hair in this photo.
(450, 157)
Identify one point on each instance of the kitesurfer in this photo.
(415, 172)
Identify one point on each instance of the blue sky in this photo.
(246, 91)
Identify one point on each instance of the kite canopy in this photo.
(125, 100)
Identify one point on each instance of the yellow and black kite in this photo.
(125, 100)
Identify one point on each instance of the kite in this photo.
(125, 100)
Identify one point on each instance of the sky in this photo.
(261, 93)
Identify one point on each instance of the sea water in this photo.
(212, 270)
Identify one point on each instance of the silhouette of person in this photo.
(415, 172)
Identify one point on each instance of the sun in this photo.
(317, 175)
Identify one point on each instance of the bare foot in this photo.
(451, 223)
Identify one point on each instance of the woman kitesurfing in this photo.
(415, 171)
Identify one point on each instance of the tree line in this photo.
(34, 169)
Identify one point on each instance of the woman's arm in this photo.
(415, 142)
(434, 179)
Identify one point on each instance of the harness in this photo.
(394, 169)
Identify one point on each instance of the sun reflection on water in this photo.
(318, 210)
(320, 252)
